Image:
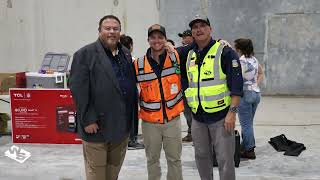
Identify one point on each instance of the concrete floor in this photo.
(297, 118)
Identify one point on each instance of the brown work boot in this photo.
(187, 138)
(250, 154)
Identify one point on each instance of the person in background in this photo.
(133, 144)
(127, 42)
(102, 82)
(170, 41)
(186, 39)
(252, 77)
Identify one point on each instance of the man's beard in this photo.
(109, 43)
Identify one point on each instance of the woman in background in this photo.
(252, 76)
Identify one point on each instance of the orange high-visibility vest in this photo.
(151, 103)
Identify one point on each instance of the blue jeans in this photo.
(247, 109)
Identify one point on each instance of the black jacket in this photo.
(98, 95)
(291, 148)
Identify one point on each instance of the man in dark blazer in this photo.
(102, 82)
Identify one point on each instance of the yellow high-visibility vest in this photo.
(209, 86)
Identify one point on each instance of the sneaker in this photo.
(187, 138)
(133, 145)
(250, 154)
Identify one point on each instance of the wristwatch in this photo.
(234, 109)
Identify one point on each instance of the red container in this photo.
(21, 80)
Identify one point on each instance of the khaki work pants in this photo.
(168, 136)
(103, 161)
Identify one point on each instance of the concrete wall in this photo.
(233, 19)
(292, 53)
(29, 29)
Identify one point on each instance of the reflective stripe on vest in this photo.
(206, 83)
(191, 99)
(151, 106)
(141, 65)
(146, 77)
(173, 57)
(215, 97)
(174, 101)
(151, 76)
(168, 71)
(210, 90)
(217, 80)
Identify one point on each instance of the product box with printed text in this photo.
(43, 116)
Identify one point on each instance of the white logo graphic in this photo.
(63, 96)
(18, 95)
(18, 154)
(22, 95)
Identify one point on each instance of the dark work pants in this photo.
(187, 114)
(135, 126)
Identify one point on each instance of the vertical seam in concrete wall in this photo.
(204, 7)
(33, 26)
(113, 5)
(9, 3)
(265, 56)
(158, 4)
(124, 17)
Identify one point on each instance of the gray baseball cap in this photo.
(199, 18)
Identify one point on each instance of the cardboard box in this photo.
(34, 120)
(4, 118)
(11, 80)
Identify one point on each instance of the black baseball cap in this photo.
(199, 18)
(157, 27)
(185, 33)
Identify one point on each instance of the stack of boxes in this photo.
(11, 80)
